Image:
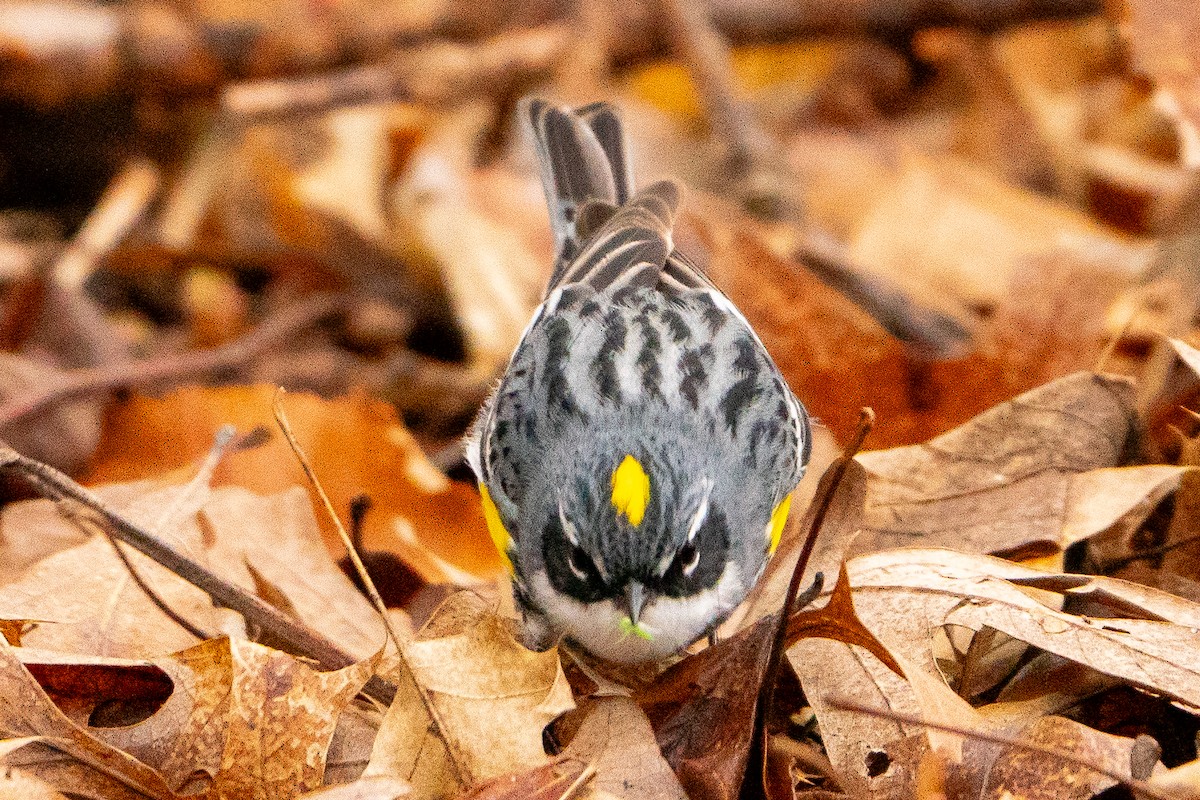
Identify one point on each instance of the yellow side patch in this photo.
(495, 526)
(778, 521)
(631, 490)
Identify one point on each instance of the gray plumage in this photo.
(633, 352)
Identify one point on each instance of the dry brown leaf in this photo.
(547, 782)
(952, 231)
(18, 785)
(616, 737)
(28, 711)
(410, 746)
(1182, 781)
(356, 445)
(363, 789)
(99, 610)
(481, 675)
(1162, 35)
(1010, 478)
(63, 435)
(353, 738)
(182, 739)
(903, 595)
(473, 673)
(1187, 354)
(1015, 772)
(282, 715)
(494, 271)
(702, 711)
(30, 532)
(837, 620)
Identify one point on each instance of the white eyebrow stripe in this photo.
(701, 513)
(697, 521)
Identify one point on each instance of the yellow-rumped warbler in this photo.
(637, 459)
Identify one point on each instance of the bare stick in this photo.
(118, 210)
(306, 465)
(1139, 786)
(300, 639)
(77, 383)
(433, 73)
(757, 757)
(701, 47)
(925, 331)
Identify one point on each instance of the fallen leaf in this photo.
(28, 711)
(363, 789)
(901, 595)
(99, 610)
(356, 445)
(282, 715)
(480, 675)
(952, 235)
(17, 785)
(616, 738)
(702, 711)
(1015, 476)
(1161, 34)
(547, 782)
(1016, 772)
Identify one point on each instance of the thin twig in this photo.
(300, 638)
(434, 715)
(588, 773)
(1142, 787)
(202, 478)
(152, 595)
(699, 44)
(77, 383)
(766, 692)
(434, 73)
(115, 214)
(284, 425)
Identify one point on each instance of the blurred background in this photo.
(923, 207)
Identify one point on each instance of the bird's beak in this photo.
(635, 600)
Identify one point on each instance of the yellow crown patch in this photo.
(631, 490)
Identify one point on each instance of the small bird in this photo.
(637, 459)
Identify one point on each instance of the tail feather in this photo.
(575, 167)
(606, 236)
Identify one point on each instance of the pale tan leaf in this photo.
(616, 737)
(482, 675)
(1004, 480)
(903, 595)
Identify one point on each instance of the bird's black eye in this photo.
(570, 568)
(688, 559)
(580, 563)
(698, 564)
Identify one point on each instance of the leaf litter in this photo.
(986, 235)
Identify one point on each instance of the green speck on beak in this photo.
(628, 626)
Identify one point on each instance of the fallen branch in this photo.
(151, 371)
(298, 639)
(435, 74)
